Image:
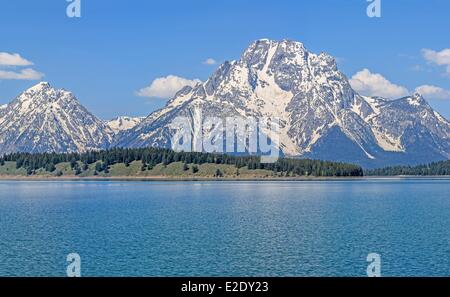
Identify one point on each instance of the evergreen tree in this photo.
(98, 167)
(218, 173)
(154, 156)
(73, 163)
(50, 167)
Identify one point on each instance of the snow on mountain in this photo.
(321, 115)
(123, 123)
(2, 109)
(44, 119)
(411, 126)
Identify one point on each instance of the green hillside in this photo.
(153, 162)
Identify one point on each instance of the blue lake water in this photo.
(317, 228)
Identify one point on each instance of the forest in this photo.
(435, 168)
(150, 157)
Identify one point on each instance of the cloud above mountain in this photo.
(441, 58)
(24, 74)
(10, 61)
(433, 92)
(374, 84)
(210, 61)
(166, 87)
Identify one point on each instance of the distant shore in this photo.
(168, 178)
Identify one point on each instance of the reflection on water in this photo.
(225, 228)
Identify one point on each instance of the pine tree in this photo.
(98, 167)
(73, 163)
(50, 167)
(218, 173)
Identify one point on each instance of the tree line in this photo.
(435, 168)
(150, 157)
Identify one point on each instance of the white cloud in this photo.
(9, 62)
(7, 59)
(374, 84)
(166, 87)
(24, 74)
(441, 58)
(433, 92)
(210, 61)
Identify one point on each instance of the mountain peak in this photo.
(417, 96)
(40, 86)
(284, 41)
(44, 92)
(123, 123)
(285, 55)
(316, 104)
(43, 119)
(260, 50)
(416, 99)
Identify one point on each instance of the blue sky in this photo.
(119, 47)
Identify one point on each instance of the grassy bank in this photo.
(135, 169)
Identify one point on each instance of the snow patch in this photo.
(123, 123)
(388, 142)
(414, 102)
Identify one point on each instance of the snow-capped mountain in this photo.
(124, 123)
(321, 115)
(43, 119)
(2, 109)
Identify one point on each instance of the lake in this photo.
(225, 228)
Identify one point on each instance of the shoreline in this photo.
(199, 179)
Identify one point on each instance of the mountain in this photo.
(123, 123)
(3, 107)
(43, 119)
(322, 117)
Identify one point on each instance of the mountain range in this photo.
(322, 117)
